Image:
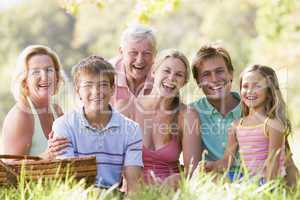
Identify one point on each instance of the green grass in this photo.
(200, 186)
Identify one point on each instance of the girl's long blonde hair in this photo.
(275, 106)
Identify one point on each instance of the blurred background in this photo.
(254, 31)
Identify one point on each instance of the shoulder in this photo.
(70, 118)
(187, 111)
(123, 120)
(18, 121)
(275, 126)
(116, 62)
(198, 102)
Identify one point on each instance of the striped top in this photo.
(162, 162)
(116, 145)
(254, 148)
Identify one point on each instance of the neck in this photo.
(41, 106)
(159, 102)
(225, 104)
(257, 111)
(98, 119)
(135, 85)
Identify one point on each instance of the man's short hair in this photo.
(138, 32)
(93, 65)
(210, 51)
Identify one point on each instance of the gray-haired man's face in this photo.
(138, 57)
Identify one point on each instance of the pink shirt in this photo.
(122, 91)
(254, 148)
(163, 162)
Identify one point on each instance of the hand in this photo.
(209, 166)
(55, 146)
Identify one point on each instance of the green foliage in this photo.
(200, 186)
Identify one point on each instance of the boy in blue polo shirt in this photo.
(98, 129)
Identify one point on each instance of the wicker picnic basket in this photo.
(34, 168)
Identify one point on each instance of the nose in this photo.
(214, 77)
(96, 89)
(140, 57)
(172, 76)
(44, 75)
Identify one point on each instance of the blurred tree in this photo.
(34, 22)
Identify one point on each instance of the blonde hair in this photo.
(19, 87)
(172, 53)
(275, 106)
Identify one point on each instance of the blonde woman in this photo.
(169, 126)
(27, 128)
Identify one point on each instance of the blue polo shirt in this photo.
(116, 145)
(214, 126)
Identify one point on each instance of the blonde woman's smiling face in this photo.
(41, 77)
(170, 76)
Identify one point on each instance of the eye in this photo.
(167, 71)
(50, 69)
(220, 71)
(245, 86)
(180, 74)
(133, 53)
(104, 85)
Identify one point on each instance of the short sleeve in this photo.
(133, 155)
(61, 129)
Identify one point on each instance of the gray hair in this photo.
(138, 32)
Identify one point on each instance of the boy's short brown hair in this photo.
(211, 51)
(93, 65)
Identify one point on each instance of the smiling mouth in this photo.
(138, 67)
(45, 85)
(169, 87)
(251, 98)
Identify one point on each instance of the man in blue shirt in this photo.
(98, 129)
(213, 71)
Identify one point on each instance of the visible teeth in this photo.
(251, 98)
(138, 67)
(169, 86)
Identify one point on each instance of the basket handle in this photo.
(19, 157)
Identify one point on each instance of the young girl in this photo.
(261, 132)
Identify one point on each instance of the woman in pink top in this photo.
(262, 131)
(169, 126)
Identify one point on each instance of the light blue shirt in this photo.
(214, 126)
(116, 145)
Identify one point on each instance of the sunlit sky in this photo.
(8, 3)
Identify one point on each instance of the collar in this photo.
(236, 112)
(112, 123)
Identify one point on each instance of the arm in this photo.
(275, 132)
(133, 159)
(17, 132)
(189, 123)
(229, 154)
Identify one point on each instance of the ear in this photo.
(77, 92)
(120, 50)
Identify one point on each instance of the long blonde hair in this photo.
(275, 106)
(19, 87)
